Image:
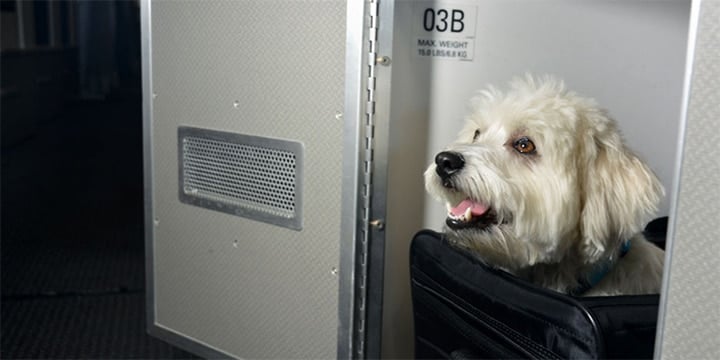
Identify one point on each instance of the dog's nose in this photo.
(448, 163)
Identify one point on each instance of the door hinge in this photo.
(361, 290)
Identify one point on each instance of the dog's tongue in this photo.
(476, 208)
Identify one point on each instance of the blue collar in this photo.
(598, 273)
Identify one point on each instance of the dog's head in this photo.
(541, 175)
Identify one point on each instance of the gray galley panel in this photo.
(244, 120)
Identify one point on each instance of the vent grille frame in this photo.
(254, 177)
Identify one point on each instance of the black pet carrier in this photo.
(464, 309)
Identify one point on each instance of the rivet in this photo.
(383, 60)
(378, 224)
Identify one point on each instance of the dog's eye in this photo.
(475, 136)
(524, 146)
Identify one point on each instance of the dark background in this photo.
(72, 250)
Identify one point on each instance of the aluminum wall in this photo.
(226, 285)
(689, 326)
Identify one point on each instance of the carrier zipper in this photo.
(479, 340)
(521, 343)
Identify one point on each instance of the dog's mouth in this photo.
(470, 214)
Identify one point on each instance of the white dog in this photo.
(540, 184)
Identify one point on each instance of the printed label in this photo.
(445, 31)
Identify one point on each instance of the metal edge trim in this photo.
(384, 20)
(687, 91)
(351, 218)
(188, 343)
(146, 62)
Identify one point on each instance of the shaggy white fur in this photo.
(540, 183)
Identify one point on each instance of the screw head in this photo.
(378, 224)
(383, 60)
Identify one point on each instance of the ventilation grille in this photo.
(249, 176)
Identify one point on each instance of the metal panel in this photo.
(690, 316)
(221, 285)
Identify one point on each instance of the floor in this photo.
(72, 238)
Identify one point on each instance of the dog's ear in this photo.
(620, 192)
